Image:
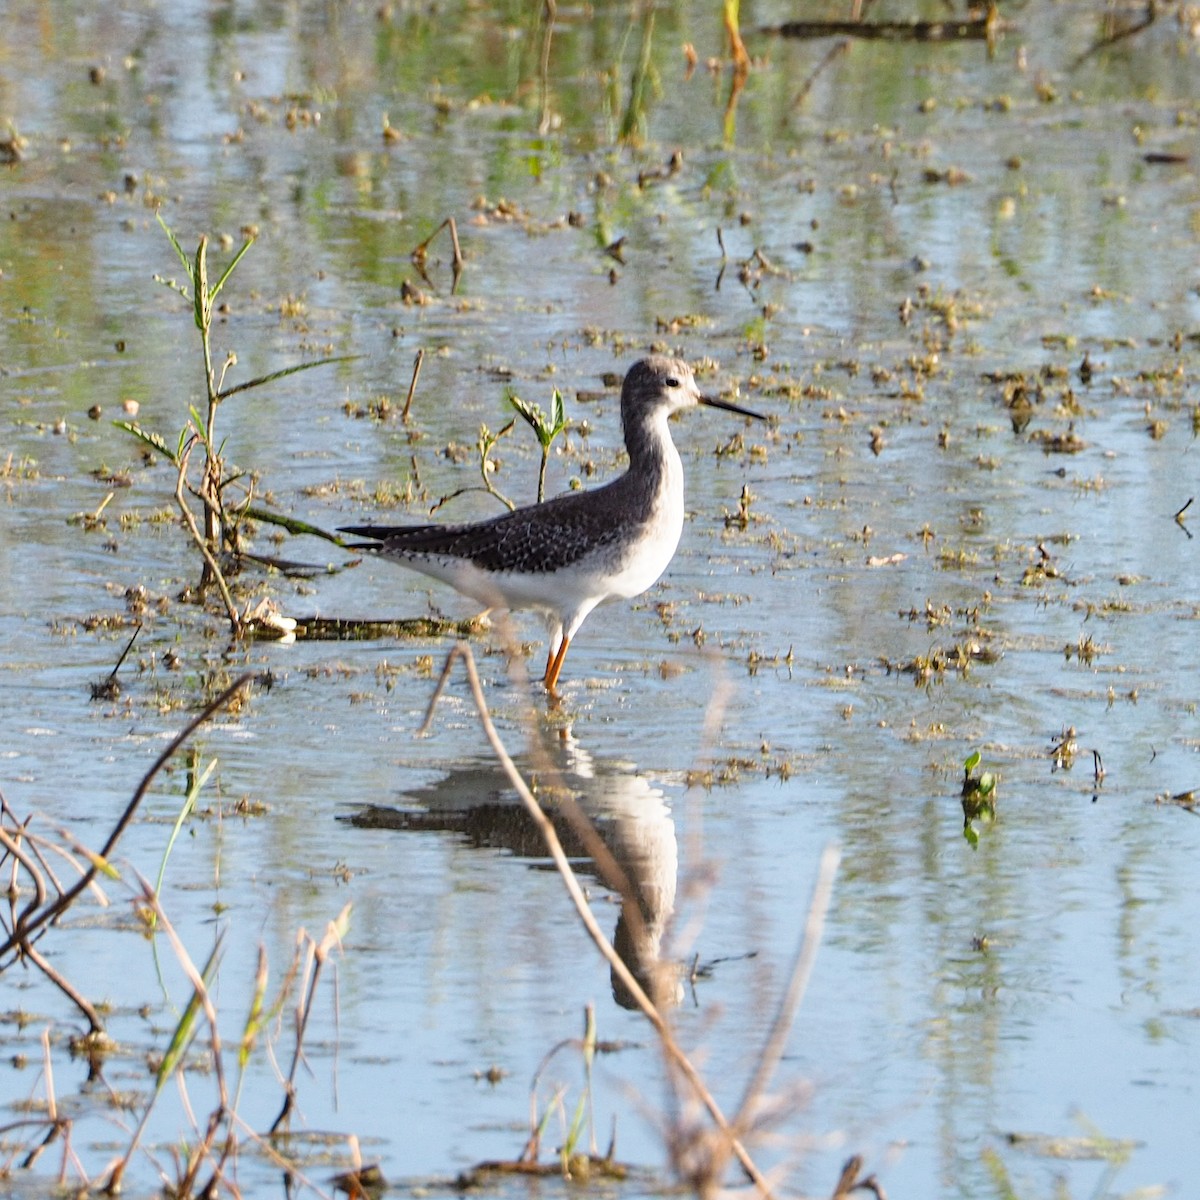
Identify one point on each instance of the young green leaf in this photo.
(153, 440)
(237, 258)
(183, 258)
(186, 1027)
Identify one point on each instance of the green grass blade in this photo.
(183, 258)
(576, 1126)
(200, 296)
(154, 440)
(198, 421)
(254, 1018)
(237, 258)
(189, 804)
(186, 1028)
(274, 375)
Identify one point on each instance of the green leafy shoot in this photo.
(547, 428)
(195, 783)
(978, 797)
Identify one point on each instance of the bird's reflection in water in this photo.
(629, 814)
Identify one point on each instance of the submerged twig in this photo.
(1118, 35)
(835, 51)
(1179, 517)
(316, 956)
(108, 688)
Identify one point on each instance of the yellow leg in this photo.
(554, 666)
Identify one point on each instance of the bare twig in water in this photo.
(202, 544)
(59, 1127)
(317, 953)
(421, 252)
(201, 1001)
(976, 29)
(412, 387)
(806, 956)
(850, 1181)
(31, 920)
(835, 51)
(108, 688)
(68, 989)
(1118, 35)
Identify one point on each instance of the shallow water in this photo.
(1037, 982)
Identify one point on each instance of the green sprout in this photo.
(547, 428)
(978, 796)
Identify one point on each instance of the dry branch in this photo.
(30, 920)
(675, 1055)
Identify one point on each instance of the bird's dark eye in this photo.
(672, 382)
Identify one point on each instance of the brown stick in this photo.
(209, 560)
(412, 387)
(886, 31)
(773, 1049)
(838, 48)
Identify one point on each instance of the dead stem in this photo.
(30, 922)
(206, 553)
(420, 252)
(412, 387)
(1118, 35)
(13, 846)
(315, 958)
(64, 985)
(60, 1126)
(834, 51)
(785, 1018)
(671, 1048)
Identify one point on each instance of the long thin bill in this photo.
(713, 402)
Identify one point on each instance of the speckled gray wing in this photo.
(531, 540)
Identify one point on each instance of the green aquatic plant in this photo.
(221, 519)
(978, 797)
(545, 427)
